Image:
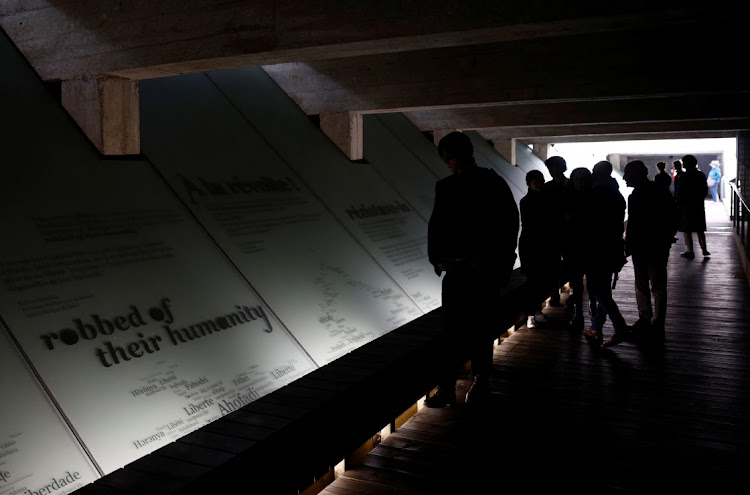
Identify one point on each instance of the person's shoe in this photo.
(479, 390)
(617, 338)
(688, 254)
(706, 254)
(530, 323)
(593, 334)
(441, 398)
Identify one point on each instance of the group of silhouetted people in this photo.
(572, 232)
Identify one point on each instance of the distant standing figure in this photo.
(714, 179)
(533, 249)
(472, 236)
(676, 172)
(649, 235)
(662, 177)
(691, 205)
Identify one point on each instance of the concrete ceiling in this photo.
(521, 69)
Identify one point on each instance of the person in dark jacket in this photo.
(534, 251)
(472, 237)
(554, 191)
(676, 173)
(691, 198)
(649, 235)
(605, 252)
(662, 177)
(575, 241)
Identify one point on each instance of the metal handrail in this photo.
(740, 216)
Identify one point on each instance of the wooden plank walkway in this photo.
(566, 416)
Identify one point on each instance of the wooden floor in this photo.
(568, 417)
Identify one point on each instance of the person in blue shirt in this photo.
(714, 179)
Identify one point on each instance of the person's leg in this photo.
(688, 236)
(574, 303)
(599, 313)
(606, 306)
(484, 327)
(715, 192)
(658, 274)
(642, 290)
(702, 243)
(606, 301)
(451, 339)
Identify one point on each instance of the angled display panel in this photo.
(382, 219)
(38, 451)
(391, 156)
(131, 317)
(129, 312)
(319, 280)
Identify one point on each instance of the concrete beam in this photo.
(106, 108)
(686, 108)
(345, 130)
(76, 38)
(698, 128)
(595, 138)
(531, 71)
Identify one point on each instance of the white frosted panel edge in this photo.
(38, 451)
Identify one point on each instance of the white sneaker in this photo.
(530, 323)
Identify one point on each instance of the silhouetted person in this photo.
(472, 237)
(691, 206)
(662, 177)
(605, 252)
(576, 239)
(554, 191)
(649, 235)
(676, 172)
(533, 249)
(714, 180)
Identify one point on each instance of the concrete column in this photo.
(345, 130)
(106, 109)
(507, 149)
(541, 150)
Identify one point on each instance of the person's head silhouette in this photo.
(456, 151)
(556, 166)
(535, 180)
(601, 170)
(635, 173)
(689, 162)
